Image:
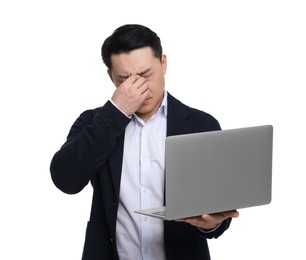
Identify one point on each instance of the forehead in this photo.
(134, 62)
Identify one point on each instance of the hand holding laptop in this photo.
(210, 221)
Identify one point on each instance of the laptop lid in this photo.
(218, 171)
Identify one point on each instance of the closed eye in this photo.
(146, 73)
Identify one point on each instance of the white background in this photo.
(242, 61)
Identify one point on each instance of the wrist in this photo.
(112, 101)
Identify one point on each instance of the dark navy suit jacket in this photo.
(93, 152)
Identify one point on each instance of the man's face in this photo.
(141, 62)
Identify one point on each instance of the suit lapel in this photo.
(177, 122)
(115, 161)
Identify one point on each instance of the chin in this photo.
(144, 109)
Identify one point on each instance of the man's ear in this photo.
(164, 63)
(109, 72)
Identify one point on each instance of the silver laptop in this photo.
(216, 171)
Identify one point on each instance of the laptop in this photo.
(216, 171)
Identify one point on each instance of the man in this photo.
(120, 148)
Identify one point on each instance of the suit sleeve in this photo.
(215, 233)
(90, 141)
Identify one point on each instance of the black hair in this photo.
(127, 38)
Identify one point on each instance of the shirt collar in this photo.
(164, 104)
(163, 109)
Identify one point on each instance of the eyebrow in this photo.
(124, 76)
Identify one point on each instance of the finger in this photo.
(191, 220)
(139, 84)
(132, 79)
(220, 216)
(181, 220)
(230, 214)
(144, 89)
(213, 218)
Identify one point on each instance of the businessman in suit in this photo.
(120, 148)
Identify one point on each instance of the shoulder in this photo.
(202, 120)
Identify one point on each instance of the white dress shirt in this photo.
(142, 186)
